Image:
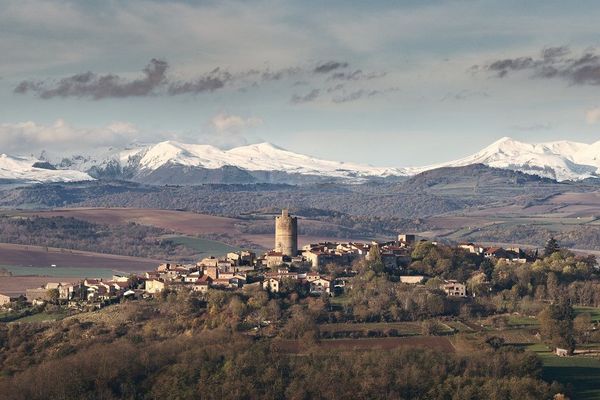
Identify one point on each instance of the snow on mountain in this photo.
(173, 161)
(255, 157)
(144, 160)
(560, 160)
(22, 169)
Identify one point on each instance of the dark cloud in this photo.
(89, 84)
(361, 94)
(464, 95)
(329, 66)
(214, 80)
(268, 75)
(310, 96)
(330, 77)
(356, 75)
(552, 63)
(335, 88)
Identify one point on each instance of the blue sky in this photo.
(389, 83)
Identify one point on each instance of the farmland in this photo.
(38, 256)
(236, 232)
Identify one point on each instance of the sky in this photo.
(388, 83)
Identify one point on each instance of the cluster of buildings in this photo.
(510, 254)
(87, 290)
(286, 265)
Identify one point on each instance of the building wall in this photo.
(286, 234)
(4, 299)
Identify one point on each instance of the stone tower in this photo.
(286, 234)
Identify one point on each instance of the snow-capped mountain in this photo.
(172, 162)
(560, 160)
(255, 157)
(31, 170)
(180, 163)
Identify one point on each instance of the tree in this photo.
(556, 325)
(551, 247)
(53, 295)
(374, 257)
(581, 326)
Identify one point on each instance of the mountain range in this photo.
(172, 162)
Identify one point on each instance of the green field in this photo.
(41, 317)
(203, 246)
(580, 374)
(593, 311)
(403, 328)
(519, 320)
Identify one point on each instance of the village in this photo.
(318, 269)
(405, 293)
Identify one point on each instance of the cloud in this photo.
(214, 80)
(335, 88)
(361, 94)
(308, 97)
(156, 82)
(356, 75)
(464, 95)
(592, 116)
(89, 84)
(224, 131)
(29, 136)
(551, 63)
(329, 66)
(228, 123)
(356, 95)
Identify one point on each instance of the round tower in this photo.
(286, 234)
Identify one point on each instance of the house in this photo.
(120, 278)
(201, 287)
(271, 284)
(496, 252)
(406, 239)
(192, 278)
(154, 286)
(455, 289)
(65, 289)
(274, 259)
(4, 299)
(212, 271)
(208, 262)
(471, 248)
(312, 276)
(561, 352)
(37, 295)
(321, 285)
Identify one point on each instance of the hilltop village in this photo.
(459, 309)
(316, 269)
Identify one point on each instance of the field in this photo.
(37, 256)
(401, 328)
(31, 266)
(580, 373)
(185, 223)
(41, 317)
(16, 285)
(593, 311)
(204, 247)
